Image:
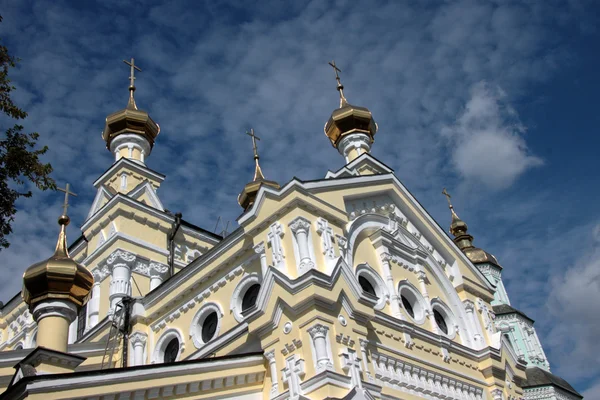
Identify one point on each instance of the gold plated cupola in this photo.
(248, 195)
(351, 129)
(58, 277)
(130, 132)
(464, 241)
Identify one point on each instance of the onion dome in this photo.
(464, 241)
(248, 195)
(130, 120)
(58, 277)
(348, 119)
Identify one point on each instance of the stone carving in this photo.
(326, 233)
(300, 227)
(274, 238)
(293, 374)
(351, 366)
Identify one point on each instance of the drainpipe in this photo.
(176, 225)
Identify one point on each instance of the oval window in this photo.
(250, 297)
(407, 306)
(366, 285)
(440, 321)
(171, 351)
(209, 326)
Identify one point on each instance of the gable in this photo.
(103, 195)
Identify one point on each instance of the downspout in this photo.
(176, 225)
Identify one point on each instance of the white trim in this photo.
(418, 302)
(376, 281)
(158, 355)
(136, 167)
(237, 297)
(101, 194)
(147, 188)
(198, 323)
(447, 314)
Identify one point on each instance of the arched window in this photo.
(367, 286)
(209, 326)
(412, 301)
(440, 321)
(171, 351)
(250, 297)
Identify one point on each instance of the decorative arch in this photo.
(198, 321)
(161, 345)
(370, 223)
(238, 294)
(375, 279)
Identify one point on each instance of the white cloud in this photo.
(487, 140)
(573, 300)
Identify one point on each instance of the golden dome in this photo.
(58, 277)
(348, 119)
(130, 120)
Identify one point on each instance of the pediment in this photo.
(103, 196)
(366, 164)
(145, 193)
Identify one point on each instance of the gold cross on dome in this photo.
(254, 139)
(445, 193)
(133, 68)
(67, 192)
(340, 87)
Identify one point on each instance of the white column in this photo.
(138, 342)
(394, 298)
(300, 227)
(158, 273)
(121, 263)
(363, 350)
(260, 250)
(270, 356)
(318, 334)
(93, 306)
(422, 278)
(476, 329)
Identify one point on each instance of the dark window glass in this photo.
(408, 306)
(81, 320)
(171, 351)
(366, 285)
(440, 321)
(250, 296)
(209, 327)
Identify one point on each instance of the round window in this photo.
(171, 351)
(440, 321)
(209, 326)
(366, 286)
(407, 306)
(250, 297)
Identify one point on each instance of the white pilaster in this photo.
(121, 263)
(158, 273)
(300, 227)
(319, 333)
(138, 342)
(270, 356)
(260, 250)
(389, 279)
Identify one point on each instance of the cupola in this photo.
(130, 132)
(351, 129)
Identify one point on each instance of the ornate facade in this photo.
(343, 287)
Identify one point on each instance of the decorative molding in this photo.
(292, 375)
(344, 339)
(410, 378)
(326, 233)
(291, 347)
(274, 239)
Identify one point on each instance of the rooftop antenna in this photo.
(217, 224)
(224, 231)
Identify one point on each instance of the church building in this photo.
(338, 288)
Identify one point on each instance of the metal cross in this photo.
(336, 69)
(67, 193)
(445, 193)
(133, 68)
(254, 139)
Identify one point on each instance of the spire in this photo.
(350, 129)
(248, 195)
(258, 174)
(340, 87)
(130, 132)
(131, 103)
(464, 241)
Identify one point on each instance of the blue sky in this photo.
(497, 101)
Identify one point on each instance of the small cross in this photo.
(445, 193)
(132, 76)
(67, 193)
(336, 69)
(254, 139)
